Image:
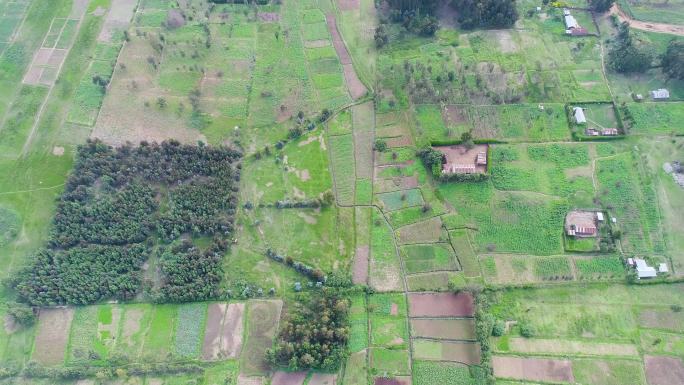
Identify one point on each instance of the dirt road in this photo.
(645, 25)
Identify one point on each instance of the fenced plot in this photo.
(52, 336)
(533, 369)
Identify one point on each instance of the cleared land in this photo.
(533, 369)
(441, 305)
(52, 335)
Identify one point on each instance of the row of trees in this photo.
(116, 203)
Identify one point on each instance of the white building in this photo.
(578, 113)
(643, 269)
(660, 94)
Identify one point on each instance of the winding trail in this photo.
(646, 25)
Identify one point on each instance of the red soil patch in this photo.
(441, 305)
(288, 378)
(664, 370)
(400, 141)
(356, 87)
(392, 381)
(348, 5)
(360, 268)
(341, 49)
(533, 369)
(323, 379)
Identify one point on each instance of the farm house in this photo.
(581, 224)
(660, 94)
(462, 160)
(643, 269)
(578, 114)
(572, 27)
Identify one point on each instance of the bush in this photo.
(499, 328)
(527, 330)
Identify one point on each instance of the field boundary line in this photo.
(39, 114)
(32, 190)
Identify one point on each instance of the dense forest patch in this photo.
(121, 205)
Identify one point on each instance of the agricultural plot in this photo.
(652, 119)
(342, 159)
(659, 12)
(427, 258)
(262, 325)
(388, 325)
(385, 269)
(52, 336)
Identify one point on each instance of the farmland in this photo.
(201, 192)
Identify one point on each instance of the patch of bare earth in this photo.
(662, 319)
(384, 277)
(224, 330)
(453, 115)
(465, 353)
(399, 141)
(52, 335)
(348, 5)
(441, 305)
(356, 88)
(117, 19)
(42, 56)
(288, 378)
(360, 267)
(323, 379)
(533, 369)
(33, 75)
(392, 381)
(664, 370)
(244, 380)
(269, 17)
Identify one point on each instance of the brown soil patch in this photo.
(316, 43)
(118, 18)
(131, 326)
(393, 381)
(10, 325)
(269, 17)
(384, 276)
(348, 5)
(460, 155)
(340, 48)
(57, 57)
(224, 330)
(454, 115)
(662, 319)
(288, 378)
(400, 141)
(52, 335)
(356, 88)
(360, 266)
(78, 9)
(243, 380)
(394, 309)
(465, 353)
(32, 76)
(323, 379)
(533, 369)
(58, 151)
(429, 231)
(441, 305)
(664, 370)
(42, 56)
(456, 329)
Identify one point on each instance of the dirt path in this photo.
(645, 25)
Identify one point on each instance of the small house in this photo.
(660, 94)
(581, 224)
(662, 268)
(630, 262)
(566, 12)
(579, 31)
(451, 168)
(578, 114)
(591, 132)
(643, 269)
(609, 132)
(481, 159)
(599, 216)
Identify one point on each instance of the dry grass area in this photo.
(564, 347)
(52, 336)
(118, 18)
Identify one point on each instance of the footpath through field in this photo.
(647, 26)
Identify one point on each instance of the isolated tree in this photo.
(673, 60)
(381, 36)
(625, 56)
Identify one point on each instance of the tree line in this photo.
(117, 204)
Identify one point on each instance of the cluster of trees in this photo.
(601, 5)
(432, 159)
(673, 60)
(626, 56)
(486, 13)
(116, 203)
(191, 274)
(315, 334)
